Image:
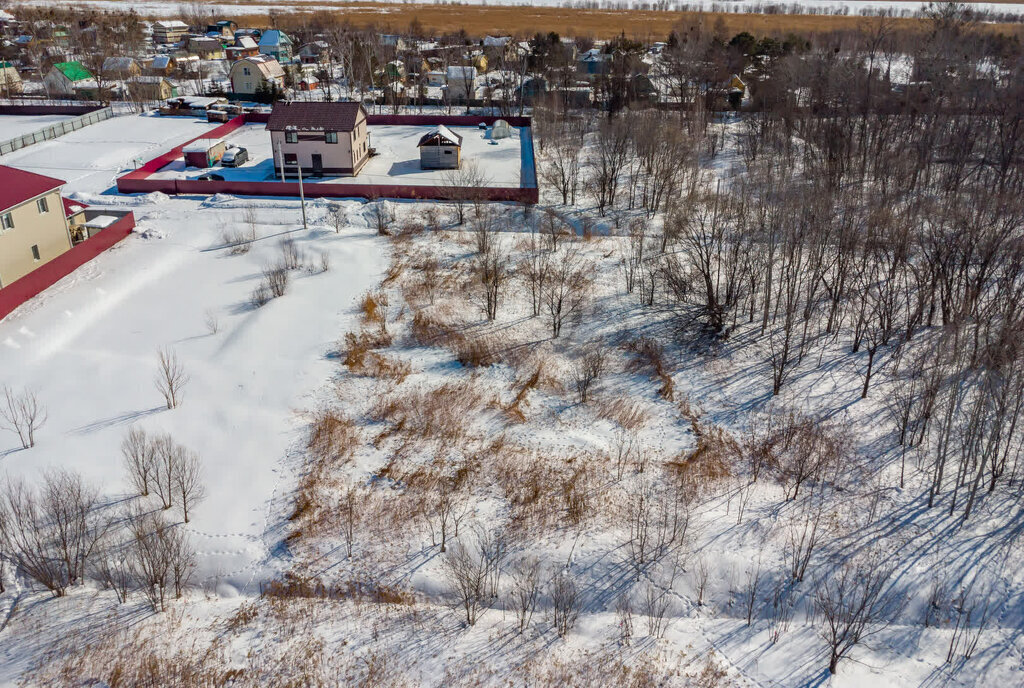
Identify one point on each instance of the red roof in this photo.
(18, 186)
(311, 116)
(72, 207)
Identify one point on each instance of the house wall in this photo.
(346, 157)
(48, 231)
(247, 83)
(56, 82)
(440, 157)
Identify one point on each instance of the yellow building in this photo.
(33, 223)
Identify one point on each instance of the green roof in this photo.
(74, 71)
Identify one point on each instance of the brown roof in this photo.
(314, 116)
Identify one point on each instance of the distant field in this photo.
(503, 20)
(505, 16)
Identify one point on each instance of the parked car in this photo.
(210, 177)
(235, 157)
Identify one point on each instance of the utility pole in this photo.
(302, 196)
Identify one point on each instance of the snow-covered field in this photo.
(91, 159)
(397, 160)
(432, 413)
(13, 126)
(88, 346)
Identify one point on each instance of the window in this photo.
(7, 221)
(35, 252)
(246, 72)
(331, 137)
(291, 137)
(41, 206)
(447, 152)
(291, 159)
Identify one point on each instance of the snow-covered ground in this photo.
(91, 159)
(88, 345)
(13, 126)
(397, 160)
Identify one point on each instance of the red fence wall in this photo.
(138, 181)
(20, 291)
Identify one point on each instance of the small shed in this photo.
(204, 152)
(501, 130)
(440, 149)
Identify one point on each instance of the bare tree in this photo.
(535, 268)
(447, 512)
(588, 368)
(139, 459)
(188, 481)
(566, 289)
(492, 273)
(853, 603)
(51, 533)
(701, 572)
(152, 557)
(624, 614)
(466, 573)
(525, 590)
(171, 378)
(565, 602)
(350, 517)
(22, 414)
(116, 566)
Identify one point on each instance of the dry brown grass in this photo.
(480, 20)
(298, 587)
(650, 356)
(627, 413)
(333, 438)
(438, 413)
(470, 349)
(374, 308)
(707, 465)
(356, 347)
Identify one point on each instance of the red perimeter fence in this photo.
(138, 181)
(20, 291)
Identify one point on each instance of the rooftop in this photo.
(311, 116)
(18, 186)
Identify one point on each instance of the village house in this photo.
(308, 82)
(251, 74)
(121, 67)
(222, 29)
(593, 63)
(161, 65)
(245, 46)
(33, 225)
(461, 83)
(63, 77)
(10, 79)
(205, 48)
(169, 31)
(321, 138)
(276, 44)
(317, 52)
(440, 149)
(151, 88)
